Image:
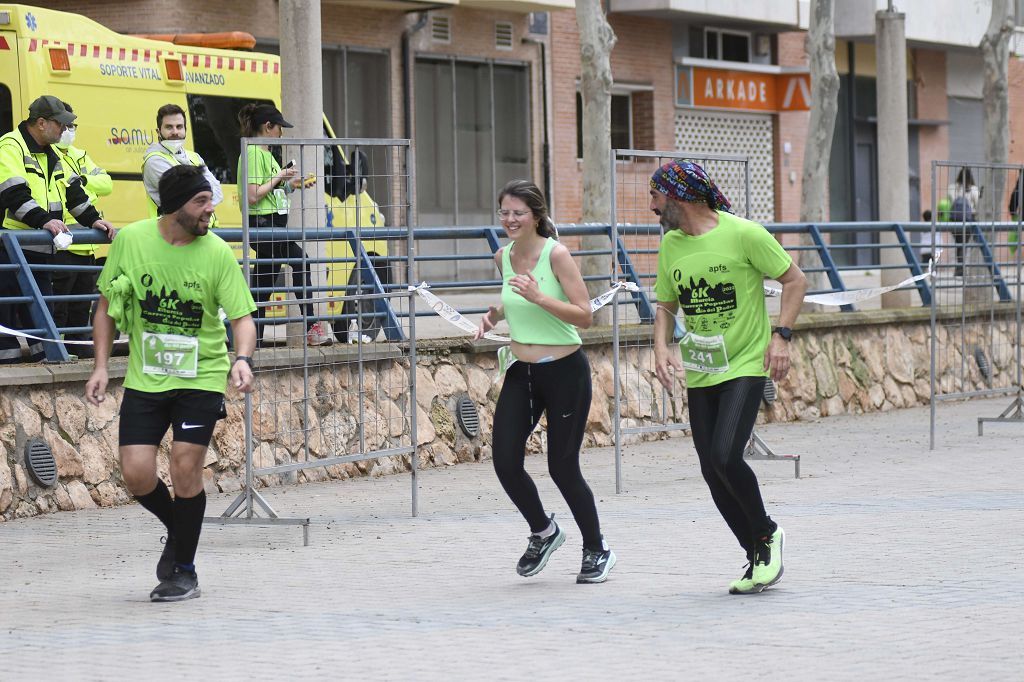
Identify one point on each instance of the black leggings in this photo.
(264, 275)
(721, 419)
(562, 388)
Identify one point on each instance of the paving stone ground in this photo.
(901, 564)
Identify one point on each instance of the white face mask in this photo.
(174, 145)
(66, 138)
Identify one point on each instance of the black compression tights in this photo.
(721, 419)
(562, 388)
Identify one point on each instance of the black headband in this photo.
(174, 195)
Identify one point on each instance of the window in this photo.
(358, 104)
(472, 135)
(6, 111)
(215, 131)
(356, 92)
(622, 122)
(727, 46)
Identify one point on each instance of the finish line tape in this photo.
(839, 298)
(459, 320)
(14, 332)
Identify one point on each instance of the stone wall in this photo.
(847, 363)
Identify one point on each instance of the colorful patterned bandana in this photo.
(687, 181)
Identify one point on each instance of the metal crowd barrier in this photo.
(388, 319)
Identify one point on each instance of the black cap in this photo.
(49, 106)
(270, 114)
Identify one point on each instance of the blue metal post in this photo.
(41, 317)
(830, 266)
(915, 266)
(986, 252)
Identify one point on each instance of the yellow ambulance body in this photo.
(116, 83)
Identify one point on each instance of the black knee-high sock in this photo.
(188, 523)
(158, 502)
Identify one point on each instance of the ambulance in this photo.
(116, 83)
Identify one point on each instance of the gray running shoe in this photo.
(597, 564)
(165, 566)
(539, 551)
(180, 586)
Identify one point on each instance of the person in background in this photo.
(169, 151)
(266, 189)
(97, 183)
(929, 250)
(34, 195)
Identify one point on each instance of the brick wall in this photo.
(929, 74)
(790, 127)
(642, 56)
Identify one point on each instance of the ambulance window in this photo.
(215, 132)
(6, 110)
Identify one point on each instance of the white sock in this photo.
(547, 532)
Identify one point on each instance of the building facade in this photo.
(488, 89)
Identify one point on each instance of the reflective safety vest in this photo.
(193, 158)
(19, 165)
(97, 183)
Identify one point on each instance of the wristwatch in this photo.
(244, 358)
(785, 332)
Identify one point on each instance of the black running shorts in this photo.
(190, 413)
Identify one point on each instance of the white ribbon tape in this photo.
(840, 298)
(15, 332)
(451, 314)
(459, 320)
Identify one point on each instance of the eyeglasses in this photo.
(505, 213)
(64, 126)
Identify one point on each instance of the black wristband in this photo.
(246, 359)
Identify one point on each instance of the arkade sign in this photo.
(698, 86)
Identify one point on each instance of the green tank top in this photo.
(528, 322)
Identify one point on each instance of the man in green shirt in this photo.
(164, 283)
(712, 264)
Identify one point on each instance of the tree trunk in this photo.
(821, 55)
(995, 52)
(596, 42)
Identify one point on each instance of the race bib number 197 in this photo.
(170, 354)
(704, 354)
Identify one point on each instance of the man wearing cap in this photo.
(163, 284)
(97, 183)
(169, 151)
(712, 264)
(35, 193)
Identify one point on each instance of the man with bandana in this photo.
(711, 265)
(169, 151)
(163, 284)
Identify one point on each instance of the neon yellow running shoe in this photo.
(745, 585)
(768, 559)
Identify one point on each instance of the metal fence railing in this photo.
(977, 332)
(375, 277)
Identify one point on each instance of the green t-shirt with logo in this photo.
(717, 279)
(177, 339)
(262, 167)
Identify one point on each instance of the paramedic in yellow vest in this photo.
(97, 183)
(169, 151)
(33, 195)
